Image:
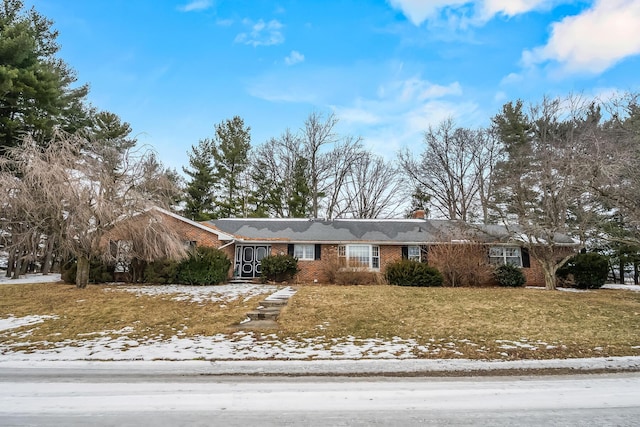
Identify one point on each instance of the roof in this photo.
(381, 231)
(205, 227)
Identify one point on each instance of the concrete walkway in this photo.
(266, 314)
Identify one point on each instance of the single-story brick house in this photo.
(368, 243)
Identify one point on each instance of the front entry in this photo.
(247, 264)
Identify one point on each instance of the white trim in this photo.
(307, 246)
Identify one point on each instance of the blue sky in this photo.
(387, 68)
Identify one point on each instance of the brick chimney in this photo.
(419, 214)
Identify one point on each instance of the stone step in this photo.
(239, 281)
(263, 314)
(274, 303)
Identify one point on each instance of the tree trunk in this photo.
(621, 267)
(82, 273)
(26, 261)
(48, 258)
(18, 266)
(10, 263)
(549, 272)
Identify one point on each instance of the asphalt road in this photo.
(70, 398)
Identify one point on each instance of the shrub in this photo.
(163, 271)
(356, 277)
(589, 270)
(510, 276)
(279, 268)
(204, 266)
(412, 273)
(99, 272)
(462, 264)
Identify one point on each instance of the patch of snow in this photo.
(200, 294)
(558, 289)
(12, 322)
(635, 288)
(282, 294)
(30, 278)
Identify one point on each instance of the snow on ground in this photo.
(216, 293)
(635, 288)
(249, 347)
(12, 322)
(29, 278)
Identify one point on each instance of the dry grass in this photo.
(599, 323)
(463, 322)
(84, 312)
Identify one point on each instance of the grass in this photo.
(557, 324)
(472, 323)
(84, 313)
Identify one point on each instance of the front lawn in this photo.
(323, 322)
(473, 323)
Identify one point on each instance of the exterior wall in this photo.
(316, 271)
(187, 232)
(534, 274)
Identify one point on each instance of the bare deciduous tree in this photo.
(75, 191)
(373, 189)
(452, 169)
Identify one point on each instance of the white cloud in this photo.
(294, 58)
(511, 79)
(196, 5)
(419, 11)
(261, 33)
(224, 22)
(594, 40)
(402, 111)
(491, 8)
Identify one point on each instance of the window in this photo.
(413, 253)
(304, 252)
(505, 255)
(365, 256)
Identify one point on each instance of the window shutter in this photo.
(526, 260)
(405, 252)
(318, 252)
(424, 251)
(290, 249)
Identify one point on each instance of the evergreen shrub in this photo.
(509, 275)
(412, 273)
(162, 272)
(589, 270)
(279, 268)
(204, 266)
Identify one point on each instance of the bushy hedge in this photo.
(162, 272)
(99, 272)
(589, 270)
(412, 273)
(204, 266)
(279, 268)
(510, 276)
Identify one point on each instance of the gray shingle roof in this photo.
(391, 231)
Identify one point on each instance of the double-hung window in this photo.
(500, 255)
(359, 256)
(304, 252)
(413, 253)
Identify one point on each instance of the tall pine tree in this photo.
(199, 197)
(36, 93)
(230, 161)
